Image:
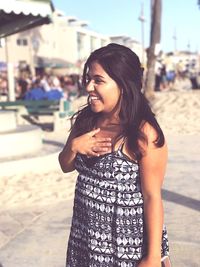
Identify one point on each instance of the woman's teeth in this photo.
(93, 98)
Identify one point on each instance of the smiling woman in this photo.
(120, 152)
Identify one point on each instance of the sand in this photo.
(177, 112)
(34, 203)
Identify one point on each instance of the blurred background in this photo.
(55, 52)
(43, 47)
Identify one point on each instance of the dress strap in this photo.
(121, 144)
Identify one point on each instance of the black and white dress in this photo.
(108, 227)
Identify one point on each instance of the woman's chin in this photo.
(96, 109)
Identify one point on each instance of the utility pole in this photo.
(156, 10)
(175, 41)
(142, 20)
(188, 46)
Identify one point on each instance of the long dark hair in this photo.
(124, 67)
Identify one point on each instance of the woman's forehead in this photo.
(96, 69)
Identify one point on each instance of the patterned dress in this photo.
(108, 219)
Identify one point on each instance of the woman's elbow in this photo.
(65, 167)
(66, 170)
(148, 197)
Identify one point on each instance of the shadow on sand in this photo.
(181, 200)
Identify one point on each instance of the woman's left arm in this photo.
(152, 171)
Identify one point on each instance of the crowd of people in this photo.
(179, 77)
(44, 86)
(50, 86)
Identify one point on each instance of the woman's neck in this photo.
(110, 127)
(106, 121)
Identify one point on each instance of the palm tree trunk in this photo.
(156, 7)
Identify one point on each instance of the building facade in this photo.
(132, 44)
(64, 44)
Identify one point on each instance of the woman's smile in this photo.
(94, 99)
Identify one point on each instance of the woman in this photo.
(120, 152)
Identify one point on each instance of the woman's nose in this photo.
(90, 86)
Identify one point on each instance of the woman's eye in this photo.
(87, 80)
(97, 81)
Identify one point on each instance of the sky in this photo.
(120, 17)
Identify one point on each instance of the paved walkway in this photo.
(37, 236)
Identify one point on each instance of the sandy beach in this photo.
(177, 112)
(179, 116)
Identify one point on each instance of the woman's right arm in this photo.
(67, 155)
(86, 144)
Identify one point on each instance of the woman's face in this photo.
(104, 93)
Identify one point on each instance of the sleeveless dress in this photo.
(108, 227)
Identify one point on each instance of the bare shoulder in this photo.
(149, 131)
(151, 137)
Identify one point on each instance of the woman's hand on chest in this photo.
(92, 144)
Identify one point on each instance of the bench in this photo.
(33, 107)
(32, 110)
(38, 107)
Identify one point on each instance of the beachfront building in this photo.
(63, 44)
(133, 45)
(67, 42)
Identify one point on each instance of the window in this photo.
(103, 42)
(2, 42)
(93, 43)
(80, 42)
(22, 42)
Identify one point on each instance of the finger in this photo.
(103, 139)
(100, 149)
(93, 132)
(104, 153)
(105, 145)
(93, 154)
(101, 146)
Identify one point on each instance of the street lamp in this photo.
(142, 20)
